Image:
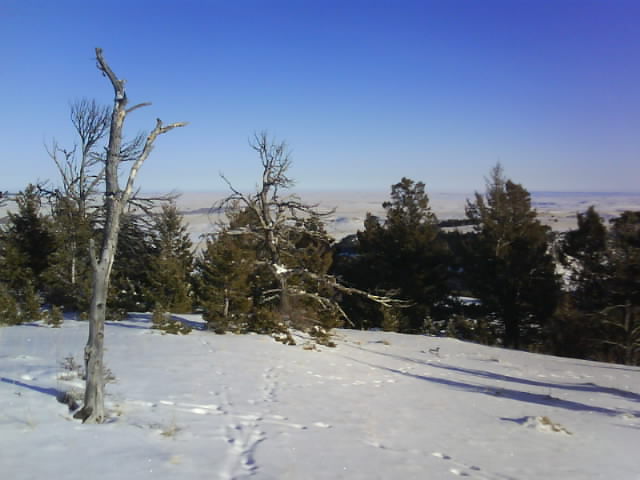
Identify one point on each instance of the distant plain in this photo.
(556, 209)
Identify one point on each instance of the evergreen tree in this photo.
(311, 252)
(74, 205)
(576, 329)
(9, 314)
(621, 317)
(225, 271)
(68, 277)
(291, 250)
(27, 244)
(404, 254)
(130, 280)
(584, 253)
(508, 264)
(172, 262)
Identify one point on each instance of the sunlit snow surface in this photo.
(379, 406)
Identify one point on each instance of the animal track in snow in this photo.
(244, 436)
(321, 425)
(460, 469)
(198, 409)
(243, 439)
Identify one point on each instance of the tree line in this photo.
(506, 279)
(499, 276)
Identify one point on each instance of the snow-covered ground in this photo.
(379, 406)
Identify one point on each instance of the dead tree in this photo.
(115, 199)
(278, 217)
(81, 170)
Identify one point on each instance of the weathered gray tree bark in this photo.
(102, 261)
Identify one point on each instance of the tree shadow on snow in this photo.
(54, 392)
(512, 394)
(189, 323)
(629, 368)
(142, 321)
(587, 387)
(121, 324)
(59, 395)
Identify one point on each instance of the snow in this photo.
(280, 269)
(379, 406)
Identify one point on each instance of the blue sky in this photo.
(364, 92)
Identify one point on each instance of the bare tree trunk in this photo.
(115, 200)
(93, 410)
(73, 262)
(225, 311)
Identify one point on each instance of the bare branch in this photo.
(135, 107)
(158, 130)
(118, 85)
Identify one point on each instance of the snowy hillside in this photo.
(379, 406)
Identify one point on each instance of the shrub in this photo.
(30, 306)
(8, 308)
(54, 317)
(161, 320)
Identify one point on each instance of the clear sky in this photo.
(364, 92)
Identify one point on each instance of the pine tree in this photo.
(311, 252)
(9, 314)
(508, 264)
(621, 317)
(225, 272)
(54, 317)
(281, 226)
(576, 328)
(68, 277)
(27, 244)
(584, 253)
(403, 254)
(30, 307)
(75, 204)
(130, 280)
(172, 262)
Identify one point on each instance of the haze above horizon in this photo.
(364, 92)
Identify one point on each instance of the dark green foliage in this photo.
(172, 262)
(226, 277)
(573, 332)
(475, 329)
(240, 292)
(404, 255)
(54, 317)
(621, 317)
(26, 244)
(130, 281)
(311, 251)
(216, 322)
(30, 307)
(508, 264)
(68, 278)
(391, 319)
(575, 329)
(599, 317)
(9, 314)
(584, 252)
